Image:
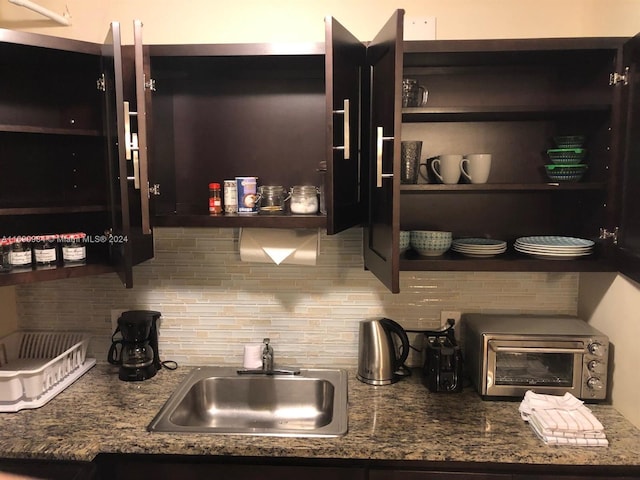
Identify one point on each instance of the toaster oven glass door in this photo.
(514, 366)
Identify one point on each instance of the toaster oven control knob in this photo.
(596, 348)
(595, 366)
(594, 383)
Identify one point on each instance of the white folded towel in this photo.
(562, 420)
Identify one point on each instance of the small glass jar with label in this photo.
(21, 254)
(45, 251)
(304, 200)
(5, 254)
(74, 250)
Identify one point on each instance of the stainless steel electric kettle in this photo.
(380, 362)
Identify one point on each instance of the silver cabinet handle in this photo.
(380, 138)
(499, 349)
(135, 160)
(131, 145)
(345, 126)
(127, 131)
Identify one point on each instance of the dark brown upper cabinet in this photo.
(287, 114)
(346, 191)
(61, 142)
(628, 126)
(384, 60)
(508, 98)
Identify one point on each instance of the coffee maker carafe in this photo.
(137, 351)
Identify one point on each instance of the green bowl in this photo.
(565, 173)
(566, 156)
(569, 141)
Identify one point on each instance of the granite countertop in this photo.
(403, 421)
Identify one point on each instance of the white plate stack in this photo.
(479, 247)
(554, 247)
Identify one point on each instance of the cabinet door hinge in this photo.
(154, 189)
(604, 234)
(616, 78)
(101, 84)
(150, 84)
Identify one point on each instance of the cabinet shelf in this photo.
(57, 273)
(238, 221)
(501, 112)
(509, 261)
(50, 130)
(501, 187)
(52, 210)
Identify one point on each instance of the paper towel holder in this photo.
(279, 246)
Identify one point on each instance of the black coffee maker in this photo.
(136, 352)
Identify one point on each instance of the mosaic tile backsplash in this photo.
(213, 303)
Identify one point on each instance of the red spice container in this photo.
(215, 199)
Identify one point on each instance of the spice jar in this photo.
(230, 197)
(215, 199)
(45, 251)
(272, 198)
(304, 200)
(5, 253)
(74, 251)
(20, 257)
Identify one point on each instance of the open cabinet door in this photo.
(382, 231)
(127, 245)
(344, 66)
(629, 232)
(138, 164)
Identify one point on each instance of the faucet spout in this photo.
(267, 356)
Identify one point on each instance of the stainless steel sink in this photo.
(219, 400)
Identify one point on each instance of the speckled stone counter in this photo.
(101, 414)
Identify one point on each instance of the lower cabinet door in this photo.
(51, 470)
(203, 468)
(434, 475)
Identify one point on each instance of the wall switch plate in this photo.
(445, 315)
(419, 28)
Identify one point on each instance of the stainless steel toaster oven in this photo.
(506, 355)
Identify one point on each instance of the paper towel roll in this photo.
(279, 246)
(252, 356)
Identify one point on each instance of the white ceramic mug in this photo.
(475, 167)
(447, 168)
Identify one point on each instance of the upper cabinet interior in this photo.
(62, 142)
(225, 111)
(512, 99)
(52, 149)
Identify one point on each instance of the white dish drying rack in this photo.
(37, 366)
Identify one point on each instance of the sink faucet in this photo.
(267, 364)
(267, 356)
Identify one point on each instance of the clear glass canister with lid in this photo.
(304, 200)
(272, 198)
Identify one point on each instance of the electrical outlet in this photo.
(446, 315)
